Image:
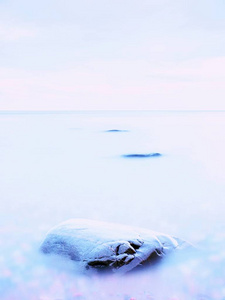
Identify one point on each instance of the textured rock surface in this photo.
(104, 245)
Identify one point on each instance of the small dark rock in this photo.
(116, 130)
(141, 155)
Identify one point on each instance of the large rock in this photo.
(116, 247)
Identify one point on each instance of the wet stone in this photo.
(142, 155)
(101, 245)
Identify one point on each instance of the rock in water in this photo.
(142, 155)
(116, 247)
(116, 130)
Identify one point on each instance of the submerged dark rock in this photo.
(116, 130)
(141, 155)
(106, 246)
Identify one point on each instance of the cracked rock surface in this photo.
(102, 245)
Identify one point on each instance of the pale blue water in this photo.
(57, 166)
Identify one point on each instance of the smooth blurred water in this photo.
(57, 166)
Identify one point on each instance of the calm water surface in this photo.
(57, 166)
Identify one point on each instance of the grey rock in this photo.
(108, 246)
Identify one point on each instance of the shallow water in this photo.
(67, 165)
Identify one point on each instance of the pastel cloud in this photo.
(196, 84)
(10, 33)
(126, 55)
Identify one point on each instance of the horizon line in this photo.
(109, 110)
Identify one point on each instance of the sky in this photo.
(111, 54)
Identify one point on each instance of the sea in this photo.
(56, 166)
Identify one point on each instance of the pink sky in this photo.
(148, 55)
